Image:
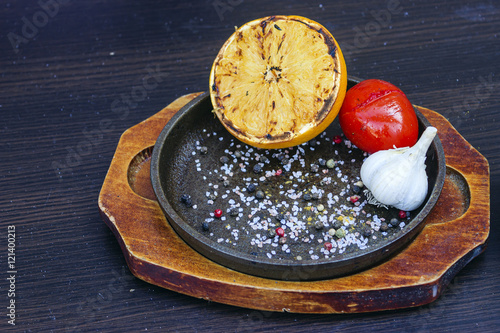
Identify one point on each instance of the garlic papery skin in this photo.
(397, 177)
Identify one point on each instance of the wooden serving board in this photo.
(456, 232)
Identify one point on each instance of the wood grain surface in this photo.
(76, 75)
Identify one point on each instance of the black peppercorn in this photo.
(233, 211)
(337, 224)
(319, 225)
(260, 194)
(251, 188)
(205, 226)
(257, 168)
(186, 200)
(366, 231)
(356, 189)
(394, 222)
(384, 226)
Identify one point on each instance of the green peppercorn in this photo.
(340, 233)
(320, 207)
(330, 164)
(332, 232)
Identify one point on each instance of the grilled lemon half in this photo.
(278, 81)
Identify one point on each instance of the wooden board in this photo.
(456, 231)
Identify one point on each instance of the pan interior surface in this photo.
(198, 168)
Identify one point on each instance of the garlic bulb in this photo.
(397, 177)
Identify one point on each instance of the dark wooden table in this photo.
(73, 79)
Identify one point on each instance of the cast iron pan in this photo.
(178, 167)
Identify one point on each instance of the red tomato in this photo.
(377, 115)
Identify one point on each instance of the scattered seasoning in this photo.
(402, 214)
(218, 213)
(337, 139)
(203, 150)
(266, 197)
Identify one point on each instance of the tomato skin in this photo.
(377, 115)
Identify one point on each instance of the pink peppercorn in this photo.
(337, 139)
(279, 172)
(402, 214)
(280, 232)
(328, 246)
(354, 198)
(218, 213)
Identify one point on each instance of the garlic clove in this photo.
(397, 177)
